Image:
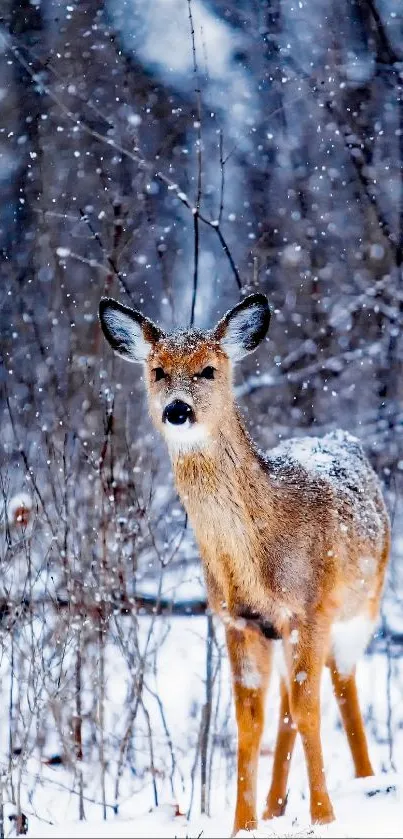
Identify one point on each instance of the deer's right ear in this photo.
(242, 329)
(130, 334)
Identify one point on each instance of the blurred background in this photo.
(177, 155)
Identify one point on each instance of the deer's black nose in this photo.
(177, 412)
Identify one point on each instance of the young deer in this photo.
(294, 544)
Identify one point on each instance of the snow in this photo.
(321, 454)
(250, 676)
(365, 807)
(301, 677)
(176, 674)
(338, 460)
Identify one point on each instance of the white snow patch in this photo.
(349, 641)
(250, 676)
(63, 252)
(294, 636)
(320, 454)
(306, 454)
(166, 43)
(366, 808)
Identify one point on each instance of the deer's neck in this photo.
(229, 499)
(224, 463)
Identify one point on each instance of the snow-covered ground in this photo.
(364, 808)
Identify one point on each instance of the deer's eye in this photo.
(159, 374)
(207, 373)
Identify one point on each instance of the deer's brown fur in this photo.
(300, 549)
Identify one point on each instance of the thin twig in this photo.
(227, 252)
(151, 749)
(110, 260)
(222, 172)
(199, 167)
(384, 42)
(206, 717)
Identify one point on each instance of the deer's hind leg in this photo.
(286, 734)
(250, 656)
(345, 691)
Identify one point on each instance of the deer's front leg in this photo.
(305, 663)
(250, 657)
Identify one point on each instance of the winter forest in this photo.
(178, 155)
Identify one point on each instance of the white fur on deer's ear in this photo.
(130, 334)
(242, 329)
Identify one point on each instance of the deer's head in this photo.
(188, 372)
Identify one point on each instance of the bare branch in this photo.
(109, 259)
(199, 166)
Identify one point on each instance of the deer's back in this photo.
(337, 466)
(334, 478)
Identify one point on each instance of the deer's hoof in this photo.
(274, 810)
(244, 824)
(323, 816)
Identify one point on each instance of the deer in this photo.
(294, 543)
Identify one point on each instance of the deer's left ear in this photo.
(243, 328)
(129, 333)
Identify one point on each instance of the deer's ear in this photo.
(129, 333)
(243, 328)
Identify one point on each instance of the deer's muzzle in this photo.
(178, 413)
